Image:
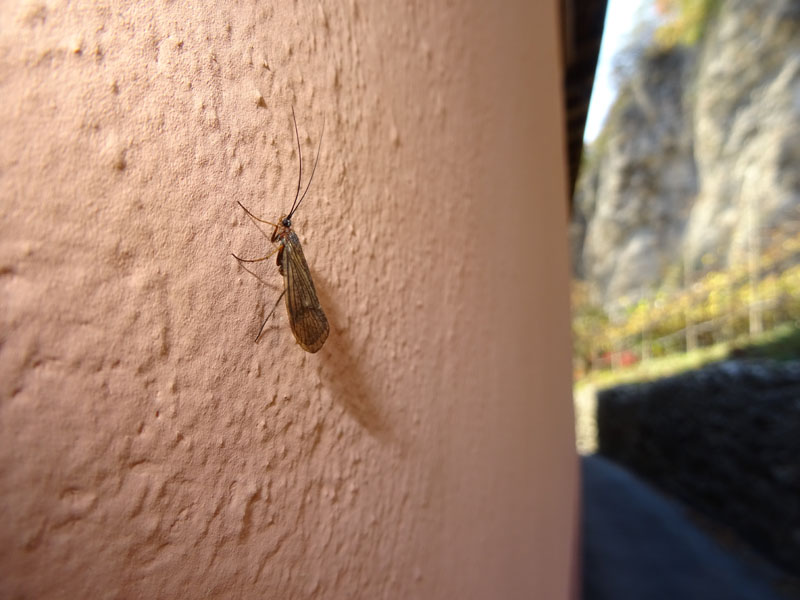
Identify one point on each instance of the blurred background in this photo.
(685, 236)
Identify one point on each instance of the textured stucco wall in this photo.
(147, 447)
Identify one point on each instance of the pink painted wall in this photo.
(148, 447)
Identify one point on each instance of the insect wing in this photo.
(308, 322)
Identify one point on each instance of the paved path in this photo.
(638, 545)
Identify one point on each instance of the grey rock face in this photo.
(701, 150)
(635, 198)
(747, 124)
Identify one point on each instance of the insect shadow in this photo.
(344, 374)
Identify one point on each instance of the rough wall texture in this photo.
(149, 448)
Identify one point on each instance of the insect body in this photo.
(308, 322)
(306, 318)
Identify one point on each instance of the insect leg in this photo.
(252, 216)
(257, 259)
(260, 331)
(249, 271)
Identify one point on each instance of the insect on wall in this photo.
(306, 317)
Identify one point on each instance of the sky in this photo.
(621, 17)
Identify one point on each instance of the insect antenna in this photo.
(313, 169)
(300, 174)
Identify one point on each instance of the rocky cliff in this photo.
(699, 157)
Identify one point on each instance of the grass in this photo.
(781, 343)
